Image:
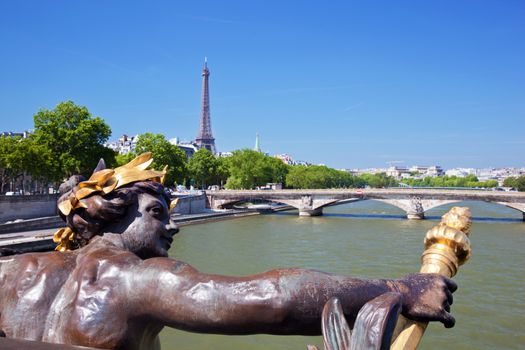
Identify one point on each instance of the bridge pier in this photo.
(414, 206)
(311, 212)
(308, 208)
(415, 216)
(309, 205)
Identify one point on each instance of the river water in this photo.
(369, 239)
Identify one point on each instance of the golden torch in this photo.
(446, 248)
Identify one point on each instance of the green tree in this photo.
(488, 184)
(28, 153)
(379, 180)
(451, 181)
(471, 178)
(74, 139)
(277, 170)
(249, 169)
(320, 176)
(164, 153)
(122, 159)
(516, 182)
(18, 157)
(358, 182)
(203, 167)
(8, 170)
(296, 177)
(223, 171)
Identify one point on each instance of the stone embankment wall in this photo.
(27, 207)
(190, 204)
(39, 206)
(32, 224)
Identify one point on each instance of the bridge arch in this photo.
(415, 202)
(307, 205)
(517, 206)
(223, 203)
(414, 206)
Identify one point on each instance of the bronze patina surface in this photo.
(116, 288)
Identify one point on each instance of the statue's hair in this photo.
(103, 210)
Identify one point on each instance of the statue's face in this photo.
(148, 230)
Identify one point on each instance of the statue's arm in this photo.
(281, 301)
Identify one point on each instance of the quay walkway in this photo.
(41, 239)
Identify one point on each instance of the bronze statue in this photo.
(113, 286)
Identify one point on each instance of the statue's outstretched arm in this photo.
(281, 301)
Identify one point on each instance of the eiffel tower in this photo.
(205, 137)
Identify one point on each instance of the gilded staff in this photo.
(446, 248)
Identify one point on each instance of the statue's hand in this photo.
(427, 297)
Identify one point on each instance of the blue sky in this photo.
(344, 83)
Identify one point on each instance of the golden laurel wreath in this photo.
(105, 181)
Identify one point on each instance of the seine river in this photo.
(369, 239)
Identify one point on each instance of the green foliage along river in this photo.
(369, 239)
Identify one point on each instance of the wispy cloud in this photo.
(95, 59)
(354, 106)
(301, 89)
(429, 159)
(327, 142)
(214, 19)
(296, 90)
(401, 140)
(514, 142)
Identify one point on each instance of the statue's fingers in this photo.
(446, 306)
(452, 286)
(450, 298)
(448, 320)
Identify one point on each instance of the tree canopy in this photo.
(164, 153)
(516, 182)
(203, 167)
(18, 157)
(73, 138)
(450, 181)
(249, 169)
(320, 176)
(10, 164)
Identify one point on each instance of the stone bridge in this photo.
(415, 202)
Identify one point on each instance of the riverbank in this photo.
(39, 236)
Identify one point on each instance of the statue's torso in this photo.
(73, 298)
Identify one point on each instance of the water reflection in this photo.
(349, 215)
(401, 217)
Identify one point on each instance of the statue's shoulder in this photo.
(168, 265)
(23, 271)
(38, 261)
(103, 263)
(103, 256)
